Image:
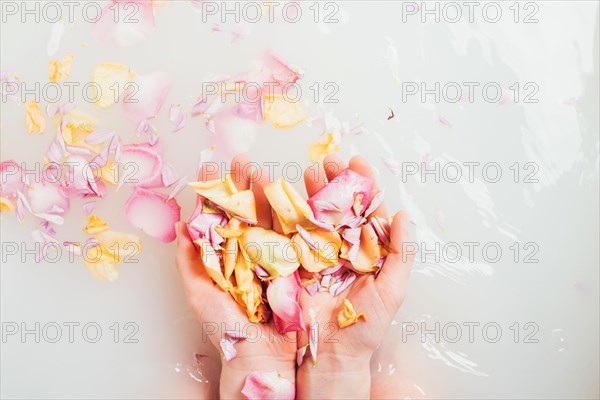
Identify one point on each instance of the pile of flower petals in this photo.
(334, 236)
(82, 162)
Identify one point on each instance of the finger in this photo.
(208, 172)
(393, 277)
(188, 258)
(260, 179)
(241, 172)
(333, 165)
(276, 224)
(362, 167)
(314, 179)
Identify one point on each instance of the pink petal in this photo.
(444, 121)
(261, 272)
(232, 134)
(200, 223)
(11, 180)
(100, 136)
(43, 197)
(177, 117)
(283, 294)
(342, 192)
(148, 97)
(169, 175)
(313, 288)
(307, 238)
(73, 248)
(300, 355)
(150, 212)
(81, 177)
(268, 386)
(376, 201)
(134, 24)
(89, 207)
(281, 71)
(342, 283)
(324, 205)
(229, 339)
(313, 340)
(181, 184)
(382, 230)
(142, 165)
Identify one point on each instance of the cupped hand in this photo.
(378, 296)
(217, 311)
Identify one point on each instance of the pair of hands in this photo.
(344, 355)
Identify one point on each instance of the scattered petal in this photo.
(319, 150)
(144, 203)
(112, 80)
(58, 29)
(268, 386)
(58, 71)
(130, 28)
(347, 315)
(34, 118)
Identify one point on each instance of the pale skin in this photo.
(342, 369)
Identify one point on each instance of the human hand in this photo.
(344, 355)
(217, 310)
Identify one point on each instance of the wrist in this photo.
(335, 376)
(235, 371)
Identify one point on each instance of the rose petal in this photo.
(112, 80)
(291, 209)
(268, 386)
(58, 29)
(150, 212)
(300, 355)
(343, 191)
(283, 294)
(313, 337)
(135, 22)
(169, 175)
(145, 99)
(141, 165)
(376, 201)
(271, 250)
(35, 122)
(347, 315)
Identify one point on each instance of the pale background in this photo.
(560, 213)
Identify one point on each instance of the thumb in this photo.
(393, 277)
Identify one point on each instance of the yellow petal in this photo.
(230, 255)
(34, 119)
(78, 126)
(109, 173)
(6, 205)
(120, 246)
(282, 112)
(100, 263)
(347, 315)
(224, 194)
(369, 251)
(328, 245)
(319, 150)
(290, 207)
(212, 264)
(248, 292)
(58, 71)
(95, 225)
(111, 79)
(270, 250)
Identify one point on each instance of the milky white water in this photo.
(476, 323)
